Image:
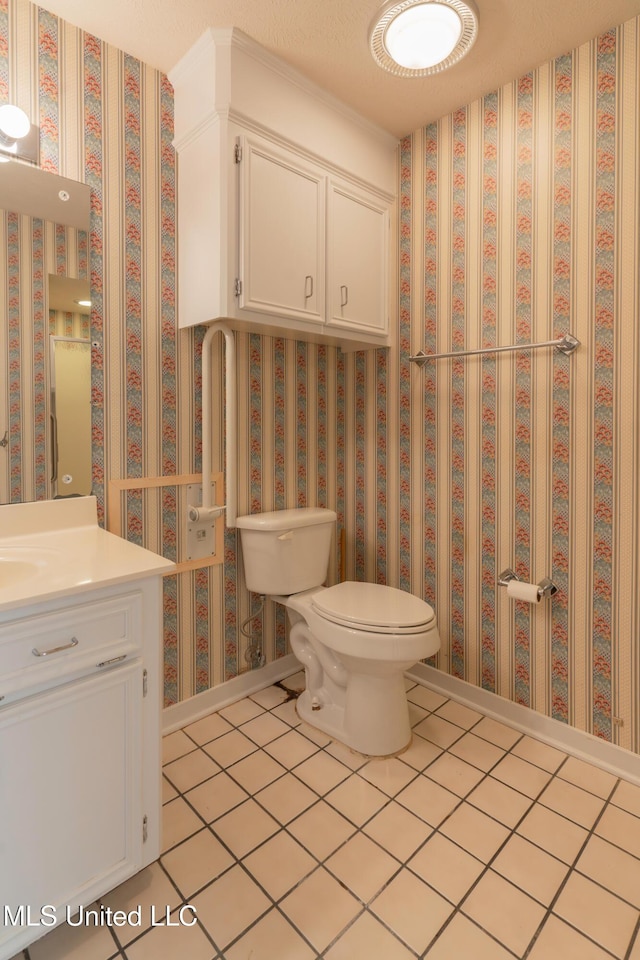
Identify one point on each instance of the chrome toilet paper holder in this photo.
(546, 587)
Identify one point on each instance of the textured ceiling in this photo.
(327, 40)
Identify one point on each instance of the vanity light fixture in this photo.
(415, 38)
(14, 123)
(18, 136)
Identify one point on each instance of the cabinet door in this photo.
(281, 234)
(70, 809)
(358, 232)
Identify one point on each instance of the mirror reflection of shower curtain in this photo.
(71, 416)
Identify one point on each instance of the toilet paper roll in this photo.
(520, 590)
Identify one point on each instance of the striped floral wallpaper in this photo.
(518, 220)
(107, 119)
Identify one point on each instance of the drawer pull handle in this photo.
(344, 295)
(107, 663)
(46, 653)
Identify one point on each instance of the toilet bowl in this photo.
(355, 640)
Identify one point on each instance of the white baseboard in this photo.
(188, 711)
(607, 756)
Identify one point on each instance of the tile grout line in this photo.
(240, 861)
(457, 906)
(513, 830)
(359, 828)
(417, 774)
(632, 942)
(590, 833)
(390, 799)
(320, 798)
(435, 830)
(283, 828)
(208, 825)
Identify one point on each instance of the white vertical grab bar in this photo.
(230, 420)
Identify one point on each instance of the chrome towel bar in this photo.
(566, 345)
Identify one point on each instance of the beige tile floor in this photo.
(477, 842)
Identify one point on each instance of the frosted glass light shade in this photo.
(423, 35)
(14, 123)
(415, 38)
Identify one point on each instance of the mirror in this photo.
(45, 411)
(70, 379)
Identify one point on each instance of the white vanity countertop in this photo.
(55, 548)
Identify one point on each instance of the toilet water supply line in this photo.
(208, 511)
(253, 653)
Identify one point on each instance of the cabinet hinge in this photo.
(145, 828)
(238, 287)
(237, 153)
(145, 684)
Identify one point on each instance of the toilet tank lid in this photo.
(286, 519)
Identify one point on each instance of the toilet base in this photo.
(329, 718)
(373, 725)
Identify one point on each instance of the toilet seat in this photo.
(374, 608)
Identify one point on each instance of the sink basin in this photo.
(55, 548)
(13, 571)
(21, 563)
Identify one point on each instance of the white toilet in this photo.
(355, 640)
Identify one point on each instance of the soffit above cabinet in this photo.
(228, 76)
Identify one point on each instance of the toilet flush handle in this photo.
(286, 536)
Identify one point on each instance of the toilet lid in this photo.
(372, 606)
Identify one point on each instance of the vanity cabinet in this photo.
(69, 793)
(80, 752)
(285, 201)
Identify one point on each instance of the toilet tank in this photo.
(286, 551)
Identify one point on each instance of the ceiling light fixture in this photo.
(415, 38)
(18, 137)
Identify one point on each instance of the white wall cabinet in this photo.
(358, 256)
(285, 199)
(281, 268)
(307, 240)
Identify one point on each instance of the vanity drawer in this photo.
(69, 641)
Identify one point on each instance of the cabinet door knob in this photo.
(308, 286)
(344, 295)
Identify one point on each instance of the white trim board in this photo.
(577, 743)
(181, 714)
(584, 746)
